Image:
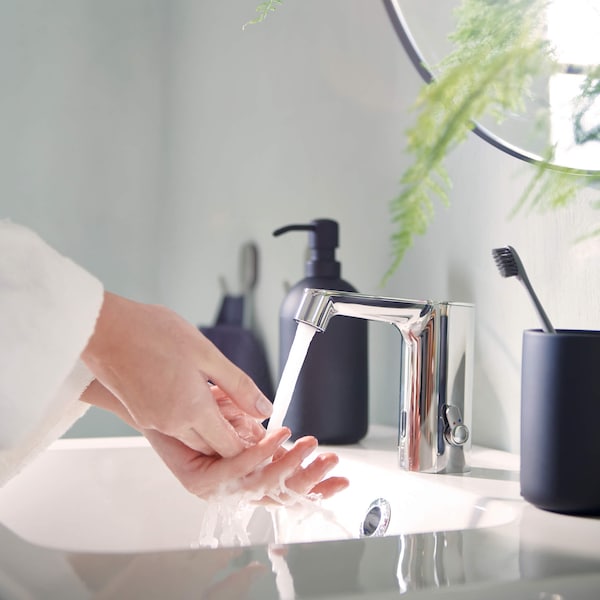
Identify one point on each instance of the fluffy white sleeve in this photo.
(48, 311)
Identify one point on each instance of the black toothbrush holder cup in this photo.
(560, 420)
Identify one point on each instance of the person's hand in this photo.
(259, 470)
(252, 473)
(159, 366)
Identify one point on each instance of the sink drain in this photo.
(377, 519)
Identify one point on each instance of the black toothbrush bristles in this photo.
(509, 264)
(505, 261)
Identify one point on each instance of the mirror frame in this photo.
(417, 59)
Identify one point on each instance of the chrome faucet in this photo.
(436, 371)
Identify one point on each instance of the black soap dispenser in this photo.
(330, 400)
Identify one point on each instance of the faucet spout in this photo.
(318, 307)
(435, 370)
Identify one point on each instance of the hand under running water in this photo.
(159, 367)
(262, 468)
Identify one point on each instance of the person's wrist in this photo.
(105, 332)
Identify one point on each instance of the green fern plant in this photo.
(495, 58)
(554, 187)
(497, 54)
(264, 9)
(590, 91)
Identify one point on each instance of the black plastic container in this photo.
(330, 400)
(560, 421)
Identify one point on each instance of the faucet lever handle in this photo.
(457, 433)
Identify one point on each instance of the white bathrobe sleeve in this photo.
(48, 311)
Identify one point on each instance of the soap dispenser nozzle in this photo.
(323, 239)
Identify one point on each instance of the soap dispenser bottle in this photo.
(330, 400)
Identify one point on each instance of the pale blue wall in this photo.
(82, 135)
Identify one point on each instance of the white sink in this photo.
(115, 495)
(105, 518)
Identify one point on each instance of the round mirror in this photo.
(548, 117)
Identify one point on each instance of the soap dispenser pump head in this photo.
(323, 239)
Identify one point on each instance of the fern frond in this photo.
(263, 10)
(492, 66)
(589, 92)
(488, 73)
(595, 232)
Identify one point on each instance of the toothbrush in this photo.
(509, 264)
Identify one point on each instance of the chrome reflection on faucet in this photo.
(436, 371)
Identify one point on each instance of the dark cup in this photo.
(560, 421)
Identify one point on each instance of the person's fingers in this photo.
(304, 479)
(254, 470)
(217, 433)
(200, 421)
(272, 475)
(248, 428)
(218, 394)
(209, 475)
(195, 441)
(228, 407)
(309, 479)
(279, 453)
(329, 487)
(236, 384)
(301, 449)
(211, 433)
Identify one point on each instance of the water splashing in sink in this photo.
(229, 513)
